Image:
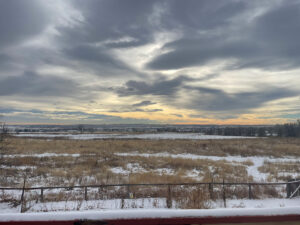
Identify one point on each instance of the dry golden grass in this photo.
(98, 164)
(280, 170)
(98, 160)
(197, 198)
(97, 157)
(276, 147)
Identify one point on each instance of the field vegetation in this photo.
(61, 162)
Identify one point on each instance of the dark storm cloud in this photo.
(269, 42)
(143, 103)
(158, 87)
(32, 84)
(20, 20)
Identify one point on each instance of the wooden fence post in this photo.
(169, 197)
(291, 186)
(224, 194)
(22, 196)
(288, 189)
(250, 192)
(211, 190)
(130, 195)
(85, 194)
(42, 194)
(122, 203)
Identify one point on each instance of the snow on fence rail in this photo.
(168, 191)
(274, 216)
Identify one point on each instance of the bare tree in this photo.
(81, 128)
(3, 136)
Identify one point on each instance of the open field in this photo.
(120, 135)
(65, 162)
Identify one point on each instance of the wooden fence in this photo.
(211, 188)
(169, 186)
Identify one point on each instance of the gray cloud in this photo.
(178, 115)
(148, 110)
(204, 98)
(95, 55)
(192, 52)
(158, 87)
(138, 107)
(237, 32)
(41, 116)
(143, 103)
(135, 110)
(20, 20)
(216, 100)
(4, 59)
(197, 116)
(193, 15)
(113, 20)
(32, 84)
(269, 42)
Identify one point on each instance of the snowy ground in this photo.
(195, 136)
(101, 215)
(257, 161)
(252, 163)
(42, 155)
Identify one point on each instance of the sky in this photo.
(138, 61)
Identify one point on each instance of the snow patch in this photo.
(258, 161)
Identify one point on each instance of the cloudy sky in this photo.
(138, 61)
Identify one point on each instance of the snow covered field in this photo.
(257, 161)
(55, 162)
(192, 136)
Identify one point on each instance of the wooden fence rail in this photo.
(291, 188)
(153, 184)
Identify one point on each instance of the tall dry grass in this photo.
(276, 147)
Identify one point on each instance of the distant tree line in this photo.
(3, 136)
(279, 130)
(288, 129)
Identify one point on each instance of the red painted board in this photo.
(167, 221)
